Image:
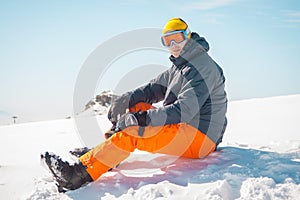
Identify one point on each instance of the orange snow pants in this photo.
(174, 139)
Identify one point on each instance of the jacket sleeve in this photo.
(186, 106)
(151, 93)
(195, 91)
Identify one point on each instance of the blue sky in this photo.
(45, 43)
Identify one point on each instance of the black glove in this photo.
(142, 118)
(133, 119)
(118, 107)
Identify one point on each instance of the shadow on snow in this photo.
(232, 164)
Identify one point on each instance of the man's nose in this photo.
(173, 44)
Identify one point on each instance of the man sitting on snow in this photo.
(190, 124)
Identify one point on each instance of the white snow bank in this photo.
(258, 159)
(266, 123)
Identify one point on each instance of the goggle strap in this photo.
(187, 31)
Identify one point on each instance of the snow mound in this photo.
(258, 159)
(100, 103)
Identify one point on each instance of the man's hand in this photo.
(133, 119)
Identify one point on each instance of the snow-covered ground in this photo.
(258, 159)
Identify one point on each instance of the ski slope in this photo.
(258, 159)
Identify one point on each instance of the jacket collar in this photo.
(193, 47)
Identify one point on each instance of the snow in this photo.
(258, 159)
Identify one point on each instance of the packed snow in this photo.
(258, 159)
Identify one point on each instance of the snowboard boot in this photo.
(77, 152)
(67, 177)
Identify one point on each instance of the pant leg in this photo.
(175, 139)
(111, 152)
(141, 106)
(108, 154)
(178, 140)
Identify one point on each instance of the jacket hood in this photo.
(201, 41)
(193, 47)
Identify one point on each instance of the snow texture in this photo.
(258, 159)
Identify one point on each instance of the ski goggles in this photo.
(174, 36)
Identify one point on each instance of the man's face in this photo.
(175, 48)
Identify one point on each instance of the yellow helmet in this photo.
(176, 24)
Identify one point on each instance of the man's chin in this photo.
(176, 54)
